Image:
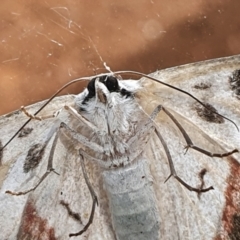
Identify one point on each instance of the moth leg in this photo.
(49, 169)
(141, 138)
(190, 143)
(145, 131)
(172, 169)
(70, 109)
(71, 134)
(78, 116)
(93, 194)
(39, 118)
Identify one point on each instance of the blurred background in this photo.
(44, 44)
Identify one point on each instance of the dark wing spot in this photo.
(208, 114)
(201, 176)
(1, 152)
(234, 82)
(202, 86)
(75, 216)
(24, 132)
(235, 231)
(34, 156)
(17, 112)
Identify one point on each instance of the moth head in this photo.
(103, 90)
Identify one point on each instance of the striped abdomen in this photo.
(132, 201)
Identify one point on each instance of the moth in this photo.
(112, 145)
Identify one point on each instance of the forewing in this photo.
(184, 214)
(62, 203)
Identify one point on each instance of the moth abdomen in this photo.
(132, 201)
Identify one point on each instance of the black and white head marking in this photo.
(112, 86)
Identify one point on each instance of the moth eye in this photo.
(208, 114)
(91, 87)
(112, 84)
(91, 92)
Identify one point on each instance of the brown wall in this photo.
(44, 44)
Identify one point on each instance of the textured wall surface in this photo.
(45, 44)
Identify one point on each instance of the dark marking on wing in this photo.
(24, 132)
(1, 152)
(33, 226)
(231, 211)
(201, 176)
(72, 214)
(17, 112)
(208, 114)
(234, 82)
(34, 156)
(202, 86)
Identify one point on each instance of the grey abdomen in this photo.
(132, 202)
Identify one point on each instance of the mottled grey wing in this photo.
(184, 214)
(44, 213)
(61, 204)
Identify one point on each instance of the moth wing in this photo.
(44, 213)
(184, 214)
(62, 203)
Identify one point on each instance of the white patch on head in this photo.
(130, 85)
